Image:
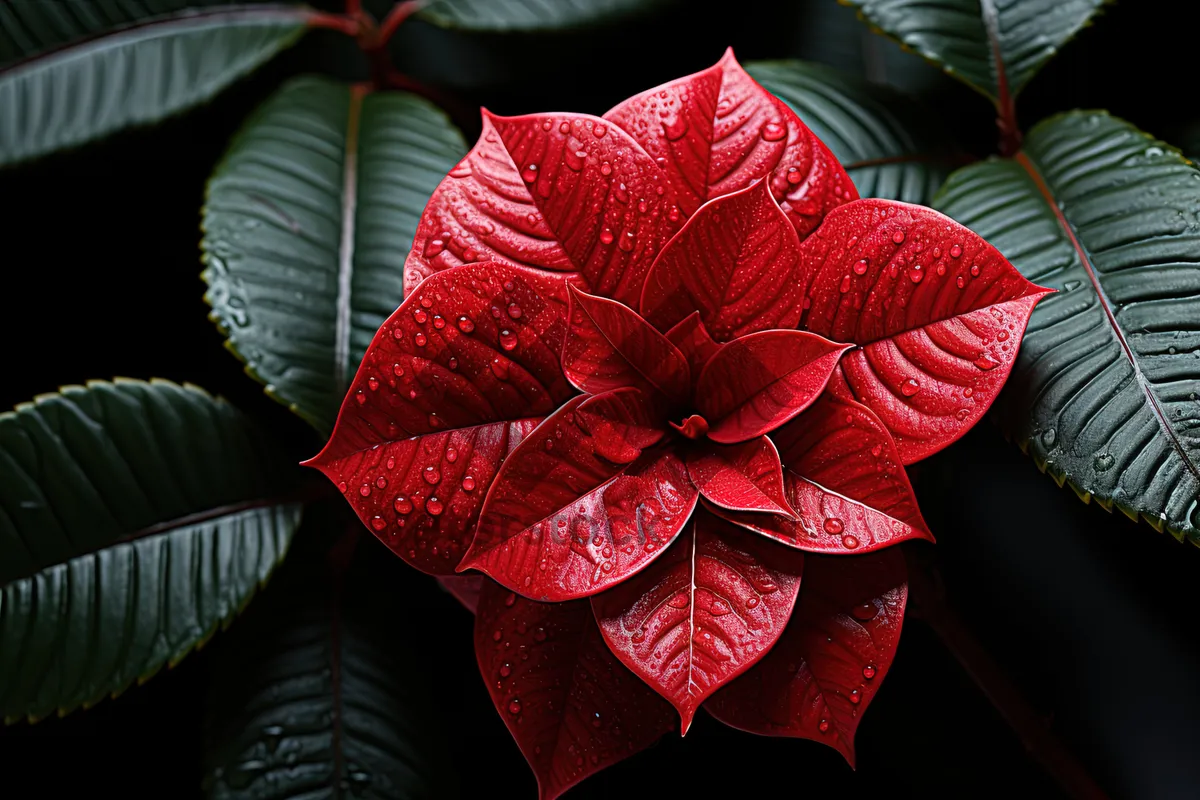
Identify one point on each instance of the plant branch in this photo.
(396, 17)
(353, 7)
(351, 26)
(928, 604)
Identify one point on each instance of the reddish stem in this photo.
(929, 606)
(353, 8)
(347, 25)
(395, 18)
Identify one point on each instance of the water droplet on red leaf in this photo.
(986, 362)
(773, 132)
(377, 523)
(433, 506)
(468, 483)
(849, 542)
(955, 251)
(402, 505)
(869, 671)
(910, 387)
(465, 324)
(508, 340)
(529, 174)
(834, 526)
(431, 475)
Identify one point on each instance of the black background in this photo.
(1092, 616)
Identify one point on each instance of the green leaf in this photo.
(1104, 393)
(885, 140)
(134, 519)
(308, 220)
(75, 70)
(994, 46)
(325, 690)
(531, 15)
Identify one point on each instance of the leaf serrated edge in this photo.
(219, 625)
(1087, 496)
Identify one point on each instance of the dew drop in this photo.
(860, 267)
(986, 362)
(606, 168)
(365, 490)
(431, 475)
(421, 316)
(773, 132)
(833, 526)
(955, 251)
(373, 383)
(855, 697)
(514, 706)
(381, 482)
(515, 311)
(508, 340)
(377, 523)
(910, 387)
(468, 484)
(426, 302)
(360, 397)
(420, 340)
(626, 241)
(433, 506)
(402, 505)
(497, 635)
(678, 601)
(794, 176)
(465, 324)
(452, 363)
(916, 275)
(529, 174)
(898, 237)
(974, 270)
(451, 454)
(438, 321)
(719, 608)
(500, 367)
(638, 636)
(823, 726)
(606, 236)
(505, 668)
(752, 602)
(865, 611)
(511, 599)
(960, 282)
(845, 287)
(869, 671)
(849, 542)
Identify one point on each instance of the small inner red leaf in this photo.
(938, 312)
(562, 192)
(740, 477)
(693, 340)
(571, 706)
(464, 588)
(702, 614)
(735, 262)
(818, 680)
(608, 346)
(759, 382)
(564, 521)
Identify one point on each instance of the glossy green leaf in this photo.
(75, 70)
(889, 146)
(1104, 393)
(135, 518)
(994, 46)
(324, 690)
(531, 15)
(308, 220)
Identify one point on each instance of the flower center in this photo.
(693, 427)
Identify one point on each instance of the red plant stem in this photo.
(336, 22)
(396, 17)
(988, 676)
(353, 7)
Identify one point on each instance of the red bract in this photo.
(653, 359)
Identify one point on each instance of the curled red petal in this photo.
(564, 521)
(740, 477)
(702, 614)
(563, 192)
(570, 705)
(735, 262)
(694, 341)
(421, 496)
(759, 382)
(608, 346)
(821, 676)
(843, 447)
(717, 131)
(938, 313)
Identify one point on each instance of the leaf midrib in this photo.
(189, 18)
(345, 273)
(171, 526)
(1107, 305)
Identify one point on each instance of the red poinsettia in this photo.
(657, 376)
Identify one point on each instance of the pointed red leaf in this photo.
(694, 341)
(823, 673)
(571, 706)
(843, 447)
(563, 520)
(740, 477)
(464, 588)
(939, 314)
(609, 346)
(703, 613)
(844, 479)
(421, 496)
(450, 358)
(566, 192)
(759, 382)
(717, 131)
(735, 262)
